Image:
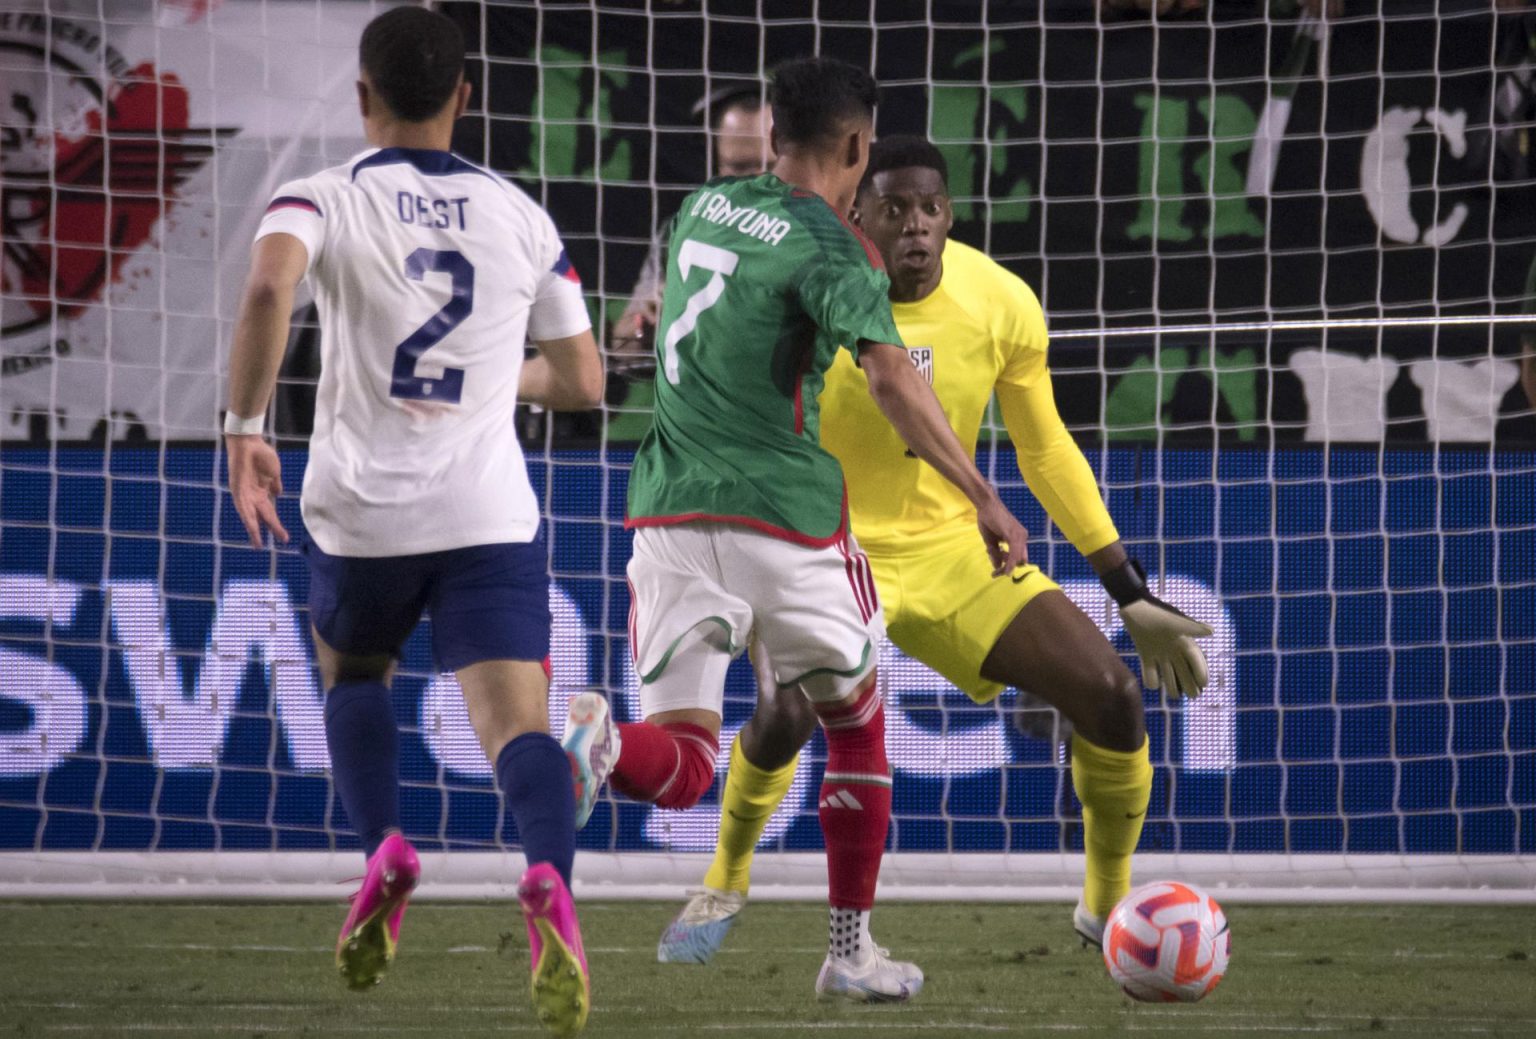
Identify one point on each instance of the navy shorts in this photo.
(487, 602)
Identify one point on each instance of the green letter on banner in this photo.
(964, 119)
(1160, 179)
(1133, 409)
(1232, 125)
(560, 111)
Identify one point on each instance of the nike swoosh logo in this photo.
(1136, 815)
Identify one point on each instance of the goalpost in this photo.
(1284, 262)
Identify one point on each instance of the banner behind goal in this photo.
(1284, 261)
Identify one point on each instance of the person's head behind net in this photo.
(740, 124)
(818, 102)
(413, 60)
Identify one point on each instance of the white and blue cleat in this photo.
(1088, 927)
(700, 929)
(875, 978)
(592, 743)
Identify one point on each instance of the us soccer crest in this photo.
(93, 149)
(922, 360)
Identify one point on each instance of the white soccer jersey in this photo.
(430, 274)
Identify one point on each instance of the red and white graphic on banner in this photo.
(133, 159)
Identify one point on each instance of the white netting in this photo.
(1283, 260)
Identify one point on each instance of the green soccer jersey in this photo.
(764, 283)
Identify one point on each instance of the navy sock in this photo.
(365, 758)
(535, 777)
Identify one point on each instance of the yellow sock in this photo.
(750, 798)
(1114, 787)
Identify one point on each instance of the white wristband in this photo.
(236, 426)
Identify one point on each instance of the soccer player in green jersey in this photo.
(978, 332)
(740, 516)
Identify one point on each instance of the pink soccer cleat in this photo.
(562, 992)
(366, 945)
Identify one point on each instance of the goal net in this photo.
(1285, 259)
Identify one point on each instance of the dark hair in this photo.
(413, 58)
(900, 152)
(813, 97)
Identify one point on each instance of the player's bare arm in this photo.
(567, 374)
(907, 400)
(261, 336)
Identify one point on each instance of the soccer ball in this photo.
(1167, 942)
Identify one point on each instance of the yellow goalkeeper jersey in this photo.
(982, 330)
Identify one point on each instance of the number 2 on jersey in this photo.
(405, 383)
(722, 262)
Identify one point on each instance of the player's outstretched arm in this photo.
(907, 401)
(567, 374)
(278, 261)
(1061, 480)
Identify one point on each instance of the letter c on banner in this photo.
(1384, 180)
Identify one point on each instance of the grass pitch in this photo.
(107, 969)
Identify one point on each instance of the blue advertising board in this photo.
(1374, 663)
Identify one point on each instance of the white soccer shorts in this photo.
(701, 592)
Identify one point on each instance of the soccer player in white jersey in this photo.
(430, 274)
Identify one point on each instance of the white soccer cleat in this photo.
(592, 743)
(1088, 927)
(700, 929)
(876, 978)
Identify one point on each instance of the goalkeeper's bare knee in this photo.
(1111, 712)
(783, 723)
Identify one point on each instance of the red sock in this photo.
(855, 799)
(671, 766)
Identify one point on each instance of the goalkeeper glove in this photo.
(1164, 636)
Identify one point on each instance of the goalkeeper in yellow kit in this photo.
(973, 329)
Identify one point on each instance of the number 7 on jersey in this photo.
(722, 264)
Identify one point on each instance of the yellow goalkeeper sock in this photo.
(750, 798)
(1114, 787)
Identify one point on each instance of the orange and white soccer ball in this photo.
(1167, 942)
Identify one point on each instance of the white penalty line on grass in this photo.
(1154, 1010)
(307, 950)
(1186, 1017)
(1198, 1022)
(1184, 1013)
(268, 1028)
(626, 950)
(941, 1027)
(260, 1008)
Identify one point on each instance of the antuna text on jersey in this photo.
(717, 209)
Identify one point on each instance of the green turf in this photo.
(138, 969)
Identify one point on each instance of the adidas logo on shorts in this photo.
(841, 799)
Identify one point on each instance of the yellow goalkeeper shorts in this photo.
(944, 607)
